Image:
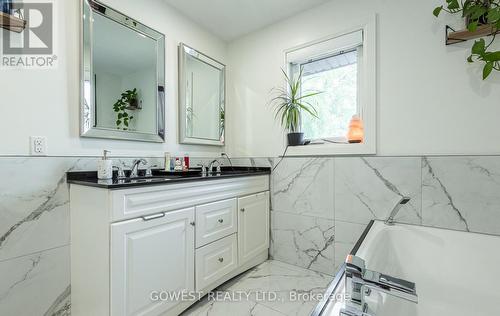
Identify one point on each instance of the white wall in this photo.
(205, 98)
(430, 101)
(46, 102)
(108, 87)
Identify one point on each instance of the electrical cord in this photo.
(282, 157)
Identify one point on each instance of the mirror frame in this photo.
(185, 50)
(87, 107)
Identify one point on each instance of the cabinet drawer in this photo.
(215, 260)
(215, 221)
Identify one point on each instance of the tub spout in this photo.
(361, 281)
(395, 210)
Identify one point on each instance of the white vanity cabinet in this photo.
(130, 244)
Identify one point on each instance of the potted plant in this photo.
(128, 101)
(290, 104)
(477, 13)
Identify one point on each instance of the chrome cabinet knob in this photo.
(221, 260)
(221, 221)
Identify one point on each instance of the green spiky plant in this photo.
(476, 13)
(222, 121)
(290, 104)
(123, 119)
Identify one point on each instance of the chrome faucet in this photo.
(135, 167)
(211, 166)
(402, 201)
(361, 281)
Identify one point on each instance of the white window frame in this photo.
(367, 95)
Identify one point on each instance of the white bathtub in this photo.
(456, 273)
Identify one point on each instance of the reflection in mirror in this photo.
(123, 80)
(201, 98)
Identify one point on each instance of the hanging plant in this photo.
(128, 100)
(477, 13)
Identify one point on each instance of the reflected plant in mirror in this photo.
(222, 122)
(128, 101)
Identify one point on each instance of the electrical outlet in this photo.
(38, 145)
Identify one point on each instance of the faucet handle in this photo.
(121, 173)
(149, 173)
(355, 265)
(203, 169)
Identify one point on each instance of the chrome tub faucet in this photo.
(395, 210)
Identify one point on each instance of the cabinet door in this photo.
(149, 254)
(253, 226)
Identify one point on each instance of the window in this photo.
(342, 68)
(337, 77)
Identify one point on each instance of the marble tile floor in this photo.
(274, 288)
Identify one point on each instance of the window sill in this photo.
(331, 150)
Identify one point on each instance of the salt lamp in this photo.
(356, 132)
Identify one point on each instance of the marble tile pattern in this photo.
(36, 284)
(34, 233)
(462, 193)
(304, 186)
(280, 279)
(452, 192)
(304, 241)
(319, 208)
(369, 188)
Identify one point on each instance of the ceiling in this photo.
(230, 19)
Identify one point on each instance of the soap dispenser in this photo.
(105, 167)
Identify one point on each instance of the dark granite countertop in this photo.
(160, 177)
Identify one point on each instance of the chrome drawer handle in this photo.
(221, 260)
(192, 223)
(151, 217)
(221, 221)
(242, 209)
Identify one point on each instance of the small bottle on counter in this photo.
(178, 165)
(172, 164)
(186, 162)
(167, 161)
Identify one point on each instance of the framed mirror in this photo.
(123, 76)
(202, 91)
